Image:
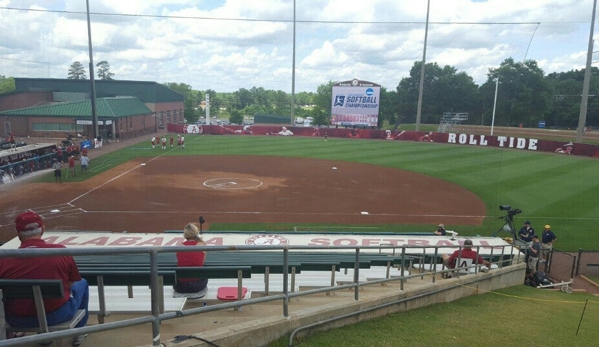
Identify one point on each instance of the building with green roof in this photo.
(123, 117)
(165, 102)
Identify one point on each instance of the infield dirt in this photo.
(170, 191)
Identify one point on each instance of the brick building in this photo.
(124, 117)
(44, 101)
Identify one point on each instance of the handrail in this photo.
(156, 318)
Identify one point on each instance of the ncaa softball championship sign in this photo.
(355, 103)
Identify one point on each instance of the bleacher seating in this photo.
(37, 290)
(262, 273)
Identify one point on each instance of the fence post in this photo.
(2, 318)
(285, 281)
(403, 264)
(578, 261)
(154, 298)
(357, 275)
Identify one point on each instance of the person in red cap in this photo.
(21, 312)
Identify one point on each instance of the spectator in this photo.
(191, 288)
(84, 162)
(547, 239)
(533, 257)
(465, 253)
(440, 230)
(526, 233)
(72, 166)
(57, 166)
(22, 312)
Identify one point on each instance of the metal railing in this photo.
(407, 252)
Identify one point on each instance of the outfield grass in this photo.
(516, 316)
(550, 189)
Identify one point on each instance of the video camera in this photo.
(510, 212)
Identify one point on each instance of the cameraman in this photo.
(526, 233)
(535, 250)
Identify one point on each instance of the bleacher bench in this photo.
(37, 290)
(130, 286)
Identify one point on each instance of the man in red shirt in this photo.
(21, 312)
(464, 253)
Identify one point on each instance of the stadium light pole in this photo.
(582, 118)
(292, 120)
(419, 111)
(91, 76)
(494, 104)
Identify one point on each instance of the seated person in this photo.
(426, 137)
(191, 288)
(22, 312)
(285, 132)
(565, 149)
(440, 230)
(465, 253)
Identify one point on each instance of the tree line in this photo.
(525, 95)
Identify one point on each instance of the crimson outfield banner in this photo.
(355, 103)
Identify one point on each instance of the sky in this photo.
(225, 45)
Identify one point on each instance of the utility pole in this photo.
(582, 118)
(293, 72)
(91, 76)
(494, 104)
(419, 112)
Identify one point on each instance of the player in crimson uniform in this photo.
(172, 140)
(72, 166)
(21, 312)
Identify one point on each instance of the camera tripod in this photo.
(507, 226)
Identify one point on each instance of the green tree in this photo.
(567, 89)
(259, 97)
(389, 106)
(304, 98)
(242, 99)
(76, 72)
(189, 97)
(7, 84)
(322, 103)
(445, 90)
(524, 96)
(235, 116)
(104, 70)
